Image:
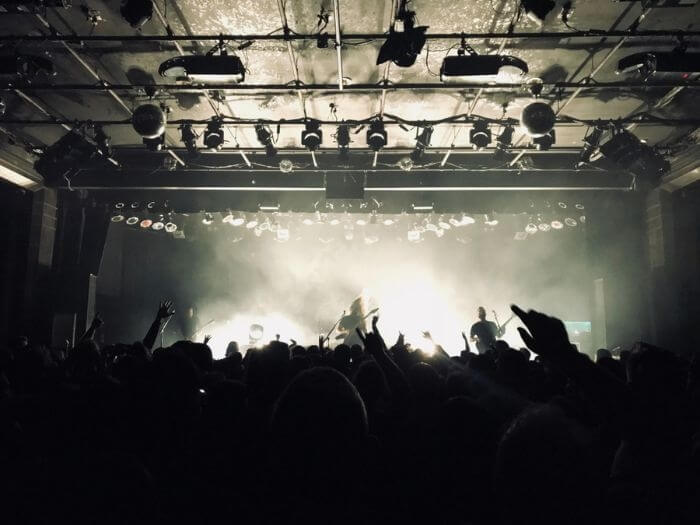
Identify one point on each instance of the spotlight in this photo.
(371, 239)
(154, 144)
(102, 141)
(238, 220)
(349, 235)
(582, 219)
(537, 119)
(214, 135)
(490, 220)
(117, 217)
(334, 222)
(444, 224)
(149, 121)
(132, 220)
(342, 136)
(405, 41)
(228, 218)
(468, 66)
(137, 12)
(158, 225)
(286, 166)
(189, 138)
(531, 229)
(557, 224)
(312, 136)
(307, 221)
(208, 219)
(562, 205)
(26, 66)
(209, 68)
(3, 107)
(388, 222)
(361, 222)
(252, 223)
(146, 223)
(590, 144)
(544, 227)
(545, 142)
(422, 143)
(630, 153)
(170, 227)
(376, 135)
(570, 222)
(537, 10)
(480, 135)
(406, 164)
(265, 138)
(505, 140)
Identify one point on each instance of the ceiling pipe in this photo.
(180, 50)
(338, 42)
(77, 39)
(290, 52)
(381, 87)
(387, 66)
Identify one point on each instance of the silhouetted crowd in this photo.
(372, 433)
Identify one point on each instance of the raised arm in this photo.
(165, 312)
(375, 346)
(94, 325)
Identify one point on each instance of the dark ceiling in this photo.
(587, 60)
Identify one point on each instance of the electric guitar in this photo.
(501, 327)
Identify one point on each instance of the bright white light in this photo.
(406, 164)
(371, 239)
(283, 234)
(334, 222)
(238, 221)
(544, 227)
(557, 225)
(531, 228)
(361, 222)
(228, 218)
(308, 222)
(388, 222)
(570, 222)
(413, 236)
(252, 223)
(286, 166)
(170, 227)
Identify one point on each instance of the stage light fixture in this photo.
(579, 206)
(26, 66)
(189, 138)
(422, 143)
(286, 166)
(557, 224)
(334, 222)
(405, 163)
(282, 234)
(376, 135)
(537, 10)
(570, 222)
(307, 221)
(252, 223)
(214, 135)
(132, 220)
(228, 218)
(102, 140)
(468, 66)
(342, 136)
(146, 223)
(155, 144)
(544, 227)
(371, 239)
(630, 153)
(207, 219)
(117, 217)
(209, 68)
(361, 222)
(62, 158)
(490, 220)
(545, 142)
(170, 227)
(444, 223)
(480, 135)
(149, 121)
(677, 64)
(504, 141)
(413, 235)
(388, 222)
(590, 145)
(135, 205)
(238, 220)
(582, 219)
(137, 12)
(264, 136)
(312, 136)
(537, 119)
(405, 41)
(158, 225)
(531, 228)
(151, 205)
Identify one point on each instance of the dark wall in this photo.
(15, 218)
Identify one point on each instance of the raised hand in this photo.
(545, 335)
(427, 335)
(165, 310)
(207, 338)
(371, 341)
(97, 321)
(400, 340)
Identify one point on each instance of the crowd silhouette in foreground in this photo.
(372, 433)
